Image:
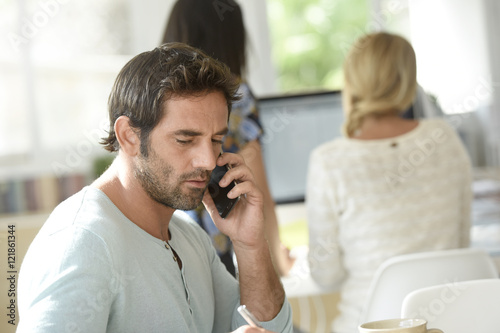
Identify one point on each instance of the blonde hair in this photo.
(380, 77)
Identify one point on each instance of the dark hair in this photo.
(215, 27)
(151, 78)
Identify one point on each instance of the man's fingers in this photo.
(209, 204)
(232, 159)
(250, 329)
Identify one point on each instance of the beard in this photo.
(158, 180)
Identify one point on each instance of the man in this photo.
(117, 257)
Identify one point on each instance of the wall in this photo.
(492, 13)
(457, 51)
(148, 19)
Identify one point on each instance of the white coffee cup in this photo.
(404, 325)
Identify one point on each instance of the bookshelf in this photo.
(38, 194)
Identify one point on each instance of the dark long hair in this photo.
(216, 27)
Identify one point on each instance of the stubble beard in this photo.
(156, 178)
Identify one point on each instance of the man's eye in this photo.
(183, 142)
(217, 142)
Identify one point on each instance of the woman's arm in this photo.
(325, 255)
(252, 153)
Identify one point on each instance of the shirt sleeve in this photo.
(325, 256)
(463, 166)
(74, 291)
(282, 323)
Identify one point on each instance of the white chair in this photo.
(400, 275)
(460, 307)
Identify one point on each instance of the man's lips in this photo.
(199, 182)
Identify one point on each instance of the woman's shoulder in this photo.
(437, 128)
(436, 123)
(336, 146)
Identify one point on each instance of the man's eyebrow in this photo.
(223, 131)
(187, 132)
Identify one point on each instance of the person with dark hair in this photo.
(119, 256)
(217, 27)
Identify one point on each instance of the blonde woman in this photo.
(391, 186)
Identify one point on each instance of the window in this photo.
(310, 39)
(58, 64)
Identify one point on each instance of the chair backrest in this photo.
(460, 307)
(400, 275)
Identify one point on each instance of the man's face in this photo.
(183, 149)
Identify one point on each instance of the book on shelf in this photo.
(31, 195)
(48, 192)
(41, 194)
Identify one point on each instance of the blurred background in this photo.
(59, 59)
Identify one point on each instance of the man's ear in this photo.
(127, 138)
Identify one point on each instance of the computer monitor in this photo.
(293, 126)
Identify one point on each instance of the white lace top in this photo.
(368, 200)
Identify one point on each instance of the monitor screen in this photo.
(293, 126)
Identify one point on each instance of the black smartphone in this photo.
(219, 194)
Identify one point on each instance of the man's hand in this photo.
(250, 329)
(245, 223)
(260, 287)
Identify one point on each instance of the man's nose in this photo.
(206, 157)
